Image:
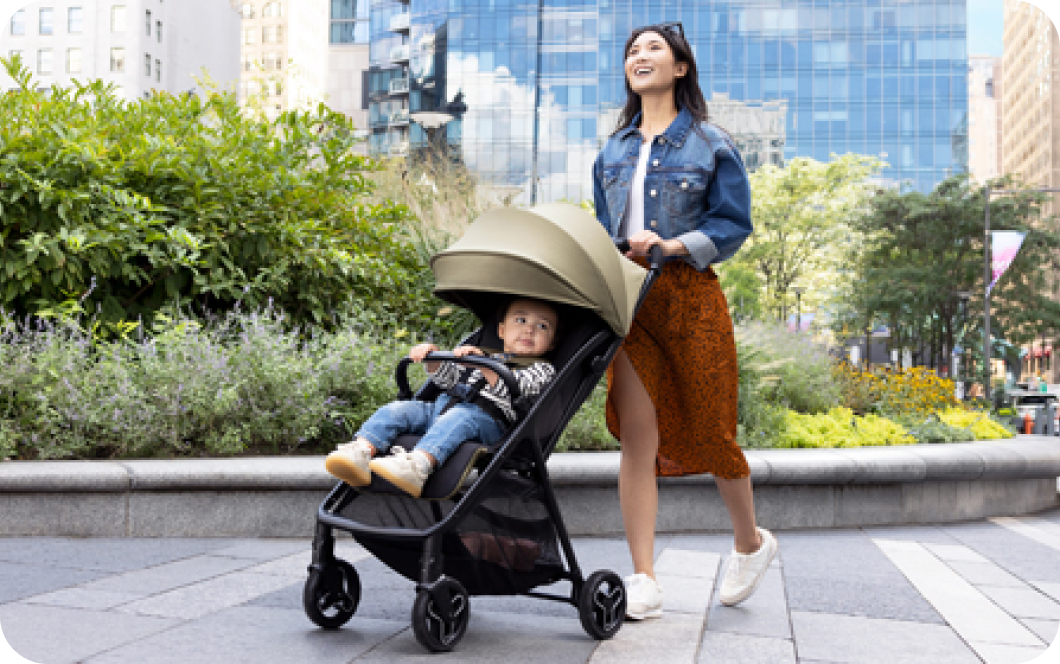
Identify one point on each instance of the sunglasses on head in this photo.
(673, 27)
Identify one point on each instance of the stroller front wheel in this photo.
(332, 593)
(440, 615)
(602, 604)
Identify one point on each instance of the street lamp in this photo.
(962, 298)
(798, 309)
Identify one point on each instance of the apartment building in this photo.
(139, 45)
(984, 117)
(283, 54)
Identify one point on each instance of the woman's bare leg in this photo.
(739, 500)
(638, 493)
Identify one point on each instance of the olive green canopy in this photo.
(556, 252)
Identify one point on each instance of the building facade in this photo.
(348, 61)
(534, 88)
(284, 54)
(139, 45)
(984, 117)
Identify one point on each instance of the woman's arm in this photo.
(726, 223)
(599, 200)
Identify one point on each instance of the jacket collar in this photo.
(676, 133)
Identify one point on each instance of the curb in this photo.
(278, 496)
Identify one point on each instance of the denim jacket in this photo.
(695, 190)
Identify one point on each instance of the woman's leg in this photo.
(739, 500)
(638, 492)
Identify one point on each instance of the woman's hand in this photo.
(642, 241)
(418, 353)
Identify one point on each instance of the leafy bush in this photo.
(839, 427)
(587, 430)
(911, 392)
(933, 430)
(177, 198)
(793, 371)
(982, 426)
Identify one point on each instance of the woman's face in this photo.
(650, 65)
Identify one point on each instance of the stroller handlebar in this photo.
(655, 255)
(401, 375)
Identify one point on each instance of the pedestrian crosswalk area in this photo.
(985, 591)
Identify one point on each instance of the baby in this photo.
(528, 330)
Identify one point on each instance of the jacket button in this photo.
(653, 192)
(655, 163)
(654, 223)
(684, 185)
(660, 140)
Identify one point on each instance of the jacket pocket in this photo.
(684, 197)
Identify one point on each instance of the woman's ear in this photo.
(681, 69)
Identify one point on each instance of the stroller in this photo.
(487, 522)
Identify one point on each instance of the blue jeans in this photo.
(442, 434)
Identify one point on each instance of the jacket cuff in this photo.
(701, 249)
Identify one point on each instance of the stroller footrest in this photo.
(447, 479)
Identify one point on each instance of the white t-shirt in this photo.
(635, 219)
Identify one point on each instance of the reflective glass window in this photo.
(47, 21)
(18, 22)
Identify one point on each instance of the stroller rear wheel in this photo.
(602, 604)
(440, 615)
(332, 593)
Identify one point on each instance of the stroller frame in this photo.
(440, 612)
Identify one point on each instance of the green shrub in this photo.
(839, 427)
(933, 430)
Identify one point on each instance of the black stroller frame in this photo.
(441, 610)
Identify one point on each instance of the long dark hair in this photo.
(687, 93)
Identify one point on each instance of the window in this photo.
(272, 34)
(117, 18)
(274, 60)
(44, 61)
(147, 65)
(250, 36)
(18, 23)
(147, 22)
(272, 10)
(248, 63)
(158, 70)
(117, 59)
(158, 31)
(16, 53)
(247, 10)
(73, 61)
(47, 21)
(74, 20)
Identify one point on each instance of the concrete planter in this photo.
(278, 496)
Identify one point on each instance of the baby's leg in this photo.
(394, 419)
(460, 423)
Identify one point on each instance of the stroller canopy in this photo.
(556, 252)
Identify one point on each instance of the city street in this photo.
(984, 591)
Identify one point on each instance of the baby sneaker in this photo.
(643, 597)
(349, 463)
(745, 571)
(406, 470)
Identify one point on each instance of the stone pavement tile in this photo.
(894, 600)
(297, 564)
(954, 553)
(922, 534)
(838, 556)
(205, 597)
(18, 581)
(1047, 630)
(1039, 530)
(993, 653)
(672, 638)
(161, 578)
(764, 614)
(54, 634)
(493, 638)
(858, 640)
(691, 564)
(968, 611)
(720, 543)
(79, 598)
(985, 574)
(726, 648)
(1050, 589)
(265, 549)
(594, 553)
(1023, 557)
(1023, 602)
(105, 554)
(684, 594)
(254, 635)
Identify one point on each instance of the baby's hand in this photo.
(462, 351)
(418, 353)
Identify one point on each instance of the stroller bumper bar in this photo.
(405, 392)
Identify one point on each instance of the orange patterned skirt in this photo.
(683, 349)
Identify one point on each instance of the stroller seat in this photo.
(448, 479)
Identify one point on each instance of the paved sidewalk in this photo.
(986, 591)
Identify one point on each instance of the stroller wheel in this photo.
(332, 593)
(440, 615)
(602, 604)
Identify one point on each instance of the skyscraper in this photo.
(539, 85)
(348, 61)
(984, 117)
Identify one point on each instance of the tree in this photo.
(801, 214)
(920, 250)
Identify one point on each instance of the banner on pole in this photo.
(1004, 245)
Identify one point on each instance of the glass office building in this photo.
(807, 78)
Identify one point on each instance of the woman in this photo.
(667, 177)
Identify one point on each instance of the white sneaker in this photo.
(349, 463)
(745, 571)
(643, 597)
(406, 470)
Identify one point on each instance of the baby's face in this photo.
(529, 328)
